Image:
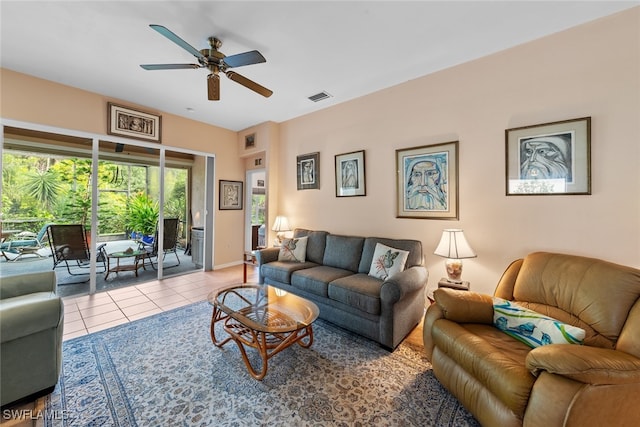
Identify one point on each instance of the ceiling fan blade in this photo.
(177, 40)
(213, 87)
(249, 84)
(169, 66)
(246, 58)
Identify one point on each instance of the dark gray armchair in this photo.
(31, 325)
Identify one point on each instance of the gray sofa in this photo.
(335, 276)
(31, 326)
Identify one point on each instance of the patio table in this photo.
(138, 255)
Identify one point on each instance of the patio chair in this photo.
(68, 242)
(25, 243)
(169, 242)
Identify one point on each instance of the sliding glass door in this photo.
(133, 199)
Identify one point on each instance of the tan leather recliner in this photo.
(503, 382)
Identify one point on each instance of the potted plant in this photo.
(142, 217)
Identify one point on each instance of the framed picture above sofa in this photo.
(549, 159)
(350, 174)
(308, 171)
(427, 181)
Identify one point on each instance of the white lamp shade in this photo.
(454, 245)
(281, 224)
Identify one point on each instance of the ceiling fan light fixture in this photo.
(215, 61)
(213, 87)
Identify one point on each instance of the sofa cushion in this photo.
(532, 328)
(360, 291)
(494, 359)
(294, 249)
(583, 287)
(315, 243)
(387, 261)
(343, 252)
(414, 247)
(315, 280)
(281, 271)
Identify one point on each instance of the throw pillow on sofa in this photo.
(532, 328)
(293, 249)
(387, 261)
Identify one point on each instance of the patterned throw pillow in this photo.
(533, 328)
(293, 249)
(387, 261)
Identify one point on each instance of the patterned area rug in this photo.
(164, 371)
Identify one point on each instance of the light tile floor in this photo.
(91, 313)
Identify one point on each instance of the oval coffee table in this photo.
(262, 317)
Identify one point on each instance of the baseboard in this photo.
(229, 264)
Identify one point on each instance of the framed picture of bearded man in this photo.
(427, 181)
(549, 159)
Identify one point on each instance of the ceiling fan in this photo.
(216, 62)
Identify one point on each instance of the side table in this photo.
(138, 255)
(445, 283)
(249, 259)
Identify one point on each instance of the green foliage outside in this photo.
(58, 189)
(142, 214)
(258, 208)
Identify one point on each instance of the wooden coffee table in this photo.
(264, 318)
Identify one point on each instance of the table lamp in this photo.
(280, 225)
(454, 246)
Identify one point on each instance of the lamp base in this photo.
(454, 269)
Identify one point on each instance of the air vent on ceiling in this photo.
(319, 96)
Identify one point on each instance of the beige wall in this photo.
(591, 70)
(267, 145)
(32, 100)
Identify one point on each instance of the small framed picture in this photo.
(427, 181)
(549, 159)
(350, 174)
(230, 197)
(308, 171)
(250, 141)
(130, 123)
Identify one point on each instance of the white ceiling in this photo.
(347, 48)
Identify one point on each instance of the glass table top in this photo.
(265, 308)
